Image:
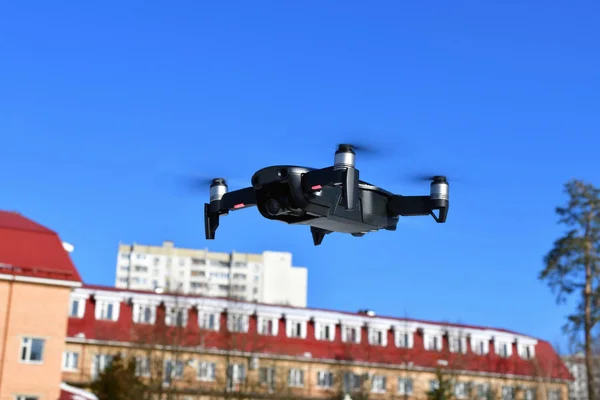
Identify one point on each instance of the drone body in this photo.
(331, 199)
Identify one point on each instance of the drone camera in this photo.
(218, 188)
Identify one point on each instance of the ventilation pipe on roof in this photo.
(68, 247)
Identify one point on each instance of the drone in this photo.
(331, 199)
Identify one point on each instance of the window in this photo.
(140, 268)
(526, 351)
(32, 350)
(197, 273)
(209, 320)
(434, 385)
(70, 361)
(378, 384)
(237, 322)
(236, 373)
(479, 346)
(351, 334)
(76, 308)
(483, 391)
(352, 382)
(267, 326)
(433, 341)
(529, 394)
(461, 390)
(503, 349)
(405, 386)
(198, 261)
(142, 366)
(324, 331)
(239, 276)
(144, 313)
(25, 397)
(324, 379)
(457, 344)
(296, 329)
(404, 339)
(266, 377)
(99, 363)
(107, 310)
(206, 371)
(176, 316)
(553, 394)
(508, 393)
(173, 370)
(377, 337)
(296, 378)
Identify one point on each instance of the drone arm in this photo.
(230, 201)
(410, 206)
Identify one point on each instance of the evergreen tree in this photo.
(445, 388)
(118, 381)
(572, 265)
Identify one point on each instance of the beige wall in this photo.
(38, 311)
(420, 378)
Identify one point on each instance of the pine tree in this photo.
(572, 265)
(118, 381)
(445, 388)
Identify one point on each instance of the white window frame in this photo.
(403, 383)
(480, 344)
(377, 335)
(325, 330)
(143, 366)
(553, 394)
(102, 306)
(204, 318)
(263, 322)
(404, 337)
(171, 315)
(67, 361)
(378, 384)
(461, 390)
(325, 379)
(482, 387)
(506, 390)
(500, 345)
(140, 308)
(237, 322)
(99, 363)
(81, 300)
(346, 328)
(207, 371)
(457, 343)
(290, 327)
(526, 348)
(433, 339)
(295, 377)
(26, 344)
(177, 371)
(532, 391)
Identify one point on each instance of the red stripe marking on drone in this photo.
(239, 205)
(317, 187)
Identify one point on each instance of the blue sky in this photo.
(100, 103)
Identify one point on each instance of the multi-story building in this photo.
(578, 387)
(196, 347)
(36, 279)
(266, 278)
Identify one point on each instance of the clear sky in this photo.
(100, 104)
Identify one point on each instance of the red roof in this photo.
(68, 392)
(547, 363)
(30, 249)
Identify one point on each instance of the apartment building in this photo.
(578, 387)
(202, 346)
(266, 278)
(36, 279)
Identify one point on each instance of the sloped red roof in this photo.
(30, 249)
(547, 364)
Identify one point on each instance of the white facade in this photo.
(265, 278)
(578, 388)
